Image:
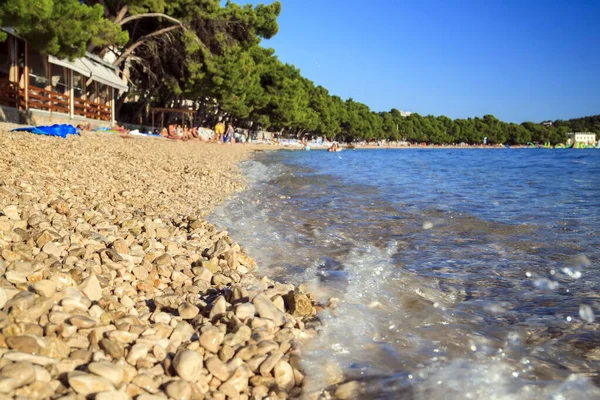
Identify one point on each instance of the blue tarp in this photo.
(61, 130)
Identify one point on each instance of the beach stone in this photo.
(284, 375)
(300, 305)
(140, 272)
(41, 374)
(146, 382)
(12, 212)
(112, 395)
(3, 298)
(112, 348)
(211, 265)
(266, 309)
(55, 348)
(217, 368)
(236, 384)
(269, 363)
(348, 390)
(179, 390)
(44, 288)
(81, 321)
(136, 352)
(267, 346)
(86, 384)
(145, 396)
(61, 206)
(120, 246)
(164, 259)
(188, 364)
(44, 238)
(226, 353)
(245, 310)
(112, 372)
(18, 374)
(219, 307)
(91, 288)
(211, 338)
(159, 352)
(203, 273)
(51, 249)
(241, 334)
(187, 311)
(25, 344)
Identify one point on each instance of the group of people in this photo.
(224, 136)
(221, 135)
(176, 131)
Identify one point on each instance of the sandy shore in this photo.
(113, 286)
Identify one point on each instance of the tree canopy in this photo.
(177, 51)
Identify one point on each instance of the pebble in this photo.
(112, 395)
(3, 298)
(266, 309)
(12, 212)
(86, 384)
(179, 390)
(211, 338)
(51, 249)
(216, 367)
(284, 376)
(188, 364)
(91, 288)
(111, 348)
(18, 374)
(245, 310)
(114, 286)
(236, 384)
(45, 288)
(188, 311)
(25, 344)
(112, 372)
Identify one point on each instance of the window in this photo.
(79, 85)
(38, 70)
(91, 91)
(60, 79)
(104, 94)
(5, 58)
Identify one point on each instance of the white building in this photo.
(582, 137)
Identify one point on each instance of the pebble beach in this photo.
(114, 286)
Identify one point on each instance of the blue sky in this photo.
(528, 60)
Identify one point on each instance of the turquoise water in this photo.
(457, 273)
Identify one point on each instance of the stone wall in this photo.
(9, 114)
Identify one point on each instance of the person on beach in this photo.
(219, 131)
(229, 134)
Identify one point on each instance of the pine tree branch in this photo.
(127, 52)
(148, 15)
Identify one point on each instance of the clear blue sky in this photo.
(527, 60)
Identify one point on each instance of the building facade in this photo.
(582, 137)
(37, 89)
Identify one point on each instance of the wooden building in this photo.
(38, 89)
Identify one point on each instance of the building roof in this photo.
(103, 74)
(77, 65)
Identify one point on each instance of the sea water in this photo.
(455, 274)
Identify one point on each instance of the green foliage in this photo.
(62, 28)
